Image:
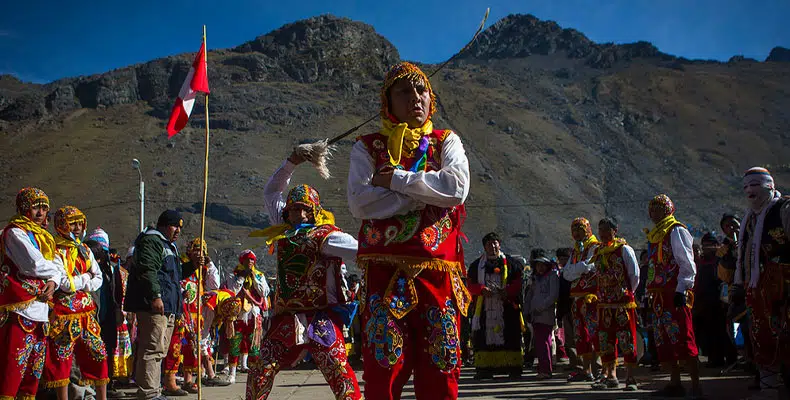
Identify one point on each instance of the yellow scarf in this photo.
(72, 251)
(400, 136)
(584, 245)
(660, 231)
(45, 241)
(610, 247)
(277, 232)
(249, 280)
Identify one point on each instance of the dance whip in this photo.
(319, 152)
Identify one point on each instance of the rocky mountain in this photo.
(555, 126)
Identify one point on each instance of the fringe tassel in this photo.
(413, 264)
(16, 306)
(55, 384)
(318, 154)
(94, 382)
(627, 306)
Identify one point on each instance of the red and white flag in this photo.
(197, 81)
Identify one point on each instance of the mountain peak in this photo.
(779, 53)
(523, 35)
(326, 44)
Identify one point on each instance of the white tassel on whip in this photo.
(317, 153)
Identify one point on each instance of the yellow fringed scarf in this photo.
(400, 136)
(72, 251)
(45, 241)
(660, 231)
(585, 244)
(277, 232)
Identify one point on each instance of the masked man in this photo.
(762, 277)
(308, 305)
(408, 183)
(584, 290)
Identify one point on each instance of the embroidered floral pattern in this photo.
(371, 235)
(443, 336)
(625, 342)
(434, 235)
(401, 295)
(406, 229)
(383, 334)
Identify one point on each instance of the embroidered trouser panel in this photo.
(241, 342)
(22, 355)
(183, 348)
(585, 325)
(770, 328)
(424, 342)
(284, 346)
(75, 338)
(673, 330)
(617, 330)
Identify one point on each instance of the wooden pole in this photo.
(202, 241)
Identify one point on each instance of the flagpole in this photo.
(202, 239)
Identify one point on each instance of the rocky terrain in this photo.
(555, 126)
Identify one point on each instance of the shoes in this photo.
(563, 361)
(114, 394)
(232, 379)
(215, 382)
(177, 392)
(670, 391)
(608, 383)
(630, 385)
(580, 376)
(190, 388)
(243, 370)
(543, 376)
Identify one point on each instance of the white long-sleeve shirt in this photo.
(87, 282)
(447, 187)
(211, 280)
(32, 263)
(573, 271)
(681, 241)
(337, 244)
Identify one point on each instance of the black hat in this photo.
(170, 218)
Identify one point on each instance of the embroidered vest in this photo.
(189, 288)
(662, 276)
(613, 280)
(16, 291)
(428, 238)
(774, 244)
(587, 284)
(79, 302)
(301, 284)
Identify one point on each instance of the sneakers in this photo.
(608, 383)
(580, 376)
(215, 381)
(630, 385)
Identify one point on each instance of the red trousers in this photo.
(673, 330)
(770, 329)
(617, 329)
(80, 338)
(22, 358)
(183, 348)
(279, 349)
(585, 324)
(424, 342)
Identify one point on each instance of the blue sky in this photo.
(44, 40)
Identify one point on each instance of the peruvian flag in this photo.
(197, 81)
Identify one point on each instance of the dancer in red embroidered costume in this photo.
(251, 288)
(74, 327)
(670, 280)
(584, 289)
(762, 276)
(30, 271)
(309, 302)
(408, 183)
(183, 343)
(618, 278)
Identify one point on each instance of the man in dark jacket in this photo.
(155, 281)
